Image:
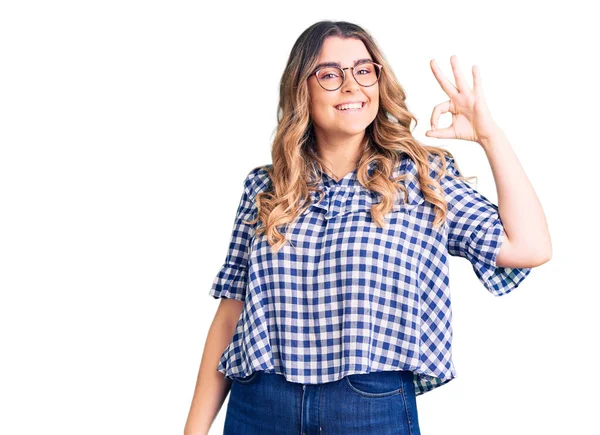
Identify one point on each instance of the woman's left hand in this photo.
(471, 119)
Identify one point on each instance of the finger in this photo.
(461, 82)
(444, 133)
(446, 85)
(477, 87)
(438, 111)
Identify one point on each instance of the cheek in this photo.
(321, 108)
(375, 95)
(375, 101)
(315, 108)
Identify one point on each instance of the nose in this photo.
(350, 84)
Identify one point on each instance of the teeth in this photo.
(349, 106)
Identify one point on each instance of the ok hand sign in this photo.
(471, 119)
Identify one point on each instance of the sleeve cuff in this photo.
(230, 282)
(483, 253)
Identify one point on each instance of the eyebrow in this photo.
(327, 64)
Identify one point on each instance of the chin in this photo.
(357, 128)
(353, 131)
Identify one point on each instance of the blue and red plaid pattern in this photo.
(344, 296)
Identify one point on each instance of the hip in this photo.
(363, 403)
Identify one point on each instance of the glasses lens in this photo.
(330, 78)
(366, 74)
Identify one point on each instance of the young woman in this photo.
(335, 304)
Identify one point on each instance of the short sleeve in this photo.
(475, 232)
(232, 278)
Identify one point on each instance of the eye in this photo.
(329, 74)
(364, 69)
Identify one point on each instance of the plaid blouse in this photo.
(346, 296)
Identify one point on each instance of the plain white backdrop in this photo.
(126, 131)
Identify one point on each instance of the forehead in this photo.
(344, 51)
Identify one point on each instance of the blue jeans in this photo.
(382, 403)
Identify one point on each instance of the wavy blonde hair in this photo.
(386, 138)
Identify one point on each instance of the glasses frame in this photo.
(344, 75)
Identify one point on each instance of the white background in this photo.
(121, 166)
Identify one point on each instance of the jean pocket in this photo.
(376, 384)
(248, 379)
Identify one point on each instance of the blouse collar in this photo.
(406, 165)
(350, 179)
(348, 194)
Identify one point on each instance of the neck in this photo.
(341, 155)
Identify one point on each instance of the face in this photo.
(331, 123)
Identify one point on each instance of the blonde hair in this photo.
(386, 139)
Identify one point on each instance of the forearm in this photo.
(518, 205)
(211, 386)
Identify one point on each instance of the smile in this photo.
(352, 107)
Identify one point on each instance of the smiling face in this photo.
(331, 123)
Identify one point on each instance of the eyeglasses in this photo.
(332, 78)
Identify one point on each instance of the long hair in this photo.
(386, 139)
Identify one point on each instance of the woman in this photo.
(335, 305)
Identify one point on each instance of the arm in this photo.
(211, 386)
(527, 241)
(230, 286)
(526, 237)
(476, 232)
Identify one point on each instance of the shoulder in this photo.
(257, 180)
(436, 164)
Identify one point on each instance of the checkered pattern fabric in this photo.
(344, 296)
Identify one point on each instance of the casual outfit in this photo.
(344, 297)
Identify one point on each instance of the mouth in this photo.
(353, 107)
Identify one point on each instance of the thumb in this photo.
(442, 133)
